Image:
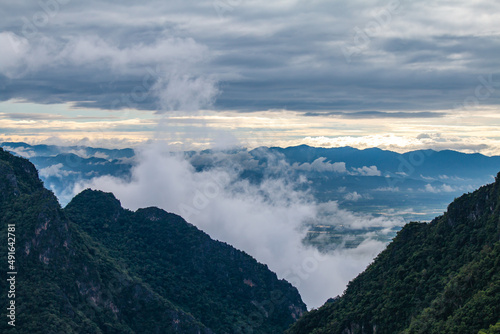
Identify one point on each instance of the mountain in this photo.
(53, 150)
(437, 277)
(414, 163)
(224, 288)
(66, 280)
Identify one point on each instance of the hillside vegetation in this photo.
(440, 277)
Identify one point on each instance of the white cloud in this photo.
(442, 188)
(450, 178)
(447, 188)
(367, 171)
(21, 151)
(266, 220)
(93, 50)
(101, 155)
(23, 56)
(430, 188)
(55, 171)
(166, 54)
(12, 46)
(319, 165)
(391, 189)
(185, 93)
(353, 196)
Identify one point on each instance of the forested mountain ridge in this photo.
(67, 281)
(221, 286)
(440, 277)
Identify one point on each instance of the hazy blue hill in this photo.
(224, 288)
(353, 157)
(440, 277)
(38, 149)
(426, 162)
(52, 150)
(453, 163)
(96, 166)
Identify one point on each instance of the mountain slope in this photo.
(95, 267)
(224, 288)
(65, 282)
(441, 277)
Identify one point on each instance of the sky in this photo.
(395, 74)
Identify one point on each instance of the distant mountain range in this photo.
(414, 186)
(95, 267)
(418, 184)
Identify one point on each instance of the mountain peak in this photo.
(17, 176)
(97, 205)
(105, 197)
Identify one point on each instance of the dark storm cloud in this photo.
(279, 55)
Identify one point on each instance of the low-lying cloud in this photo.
(319, 165)
(367, 171)
(55, 171)
(268, 219)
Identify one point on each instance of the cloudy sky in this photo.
(399, 75)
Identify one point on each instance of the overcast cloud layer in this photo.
(332, 56)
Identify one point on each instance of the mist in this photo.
(268, 219)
